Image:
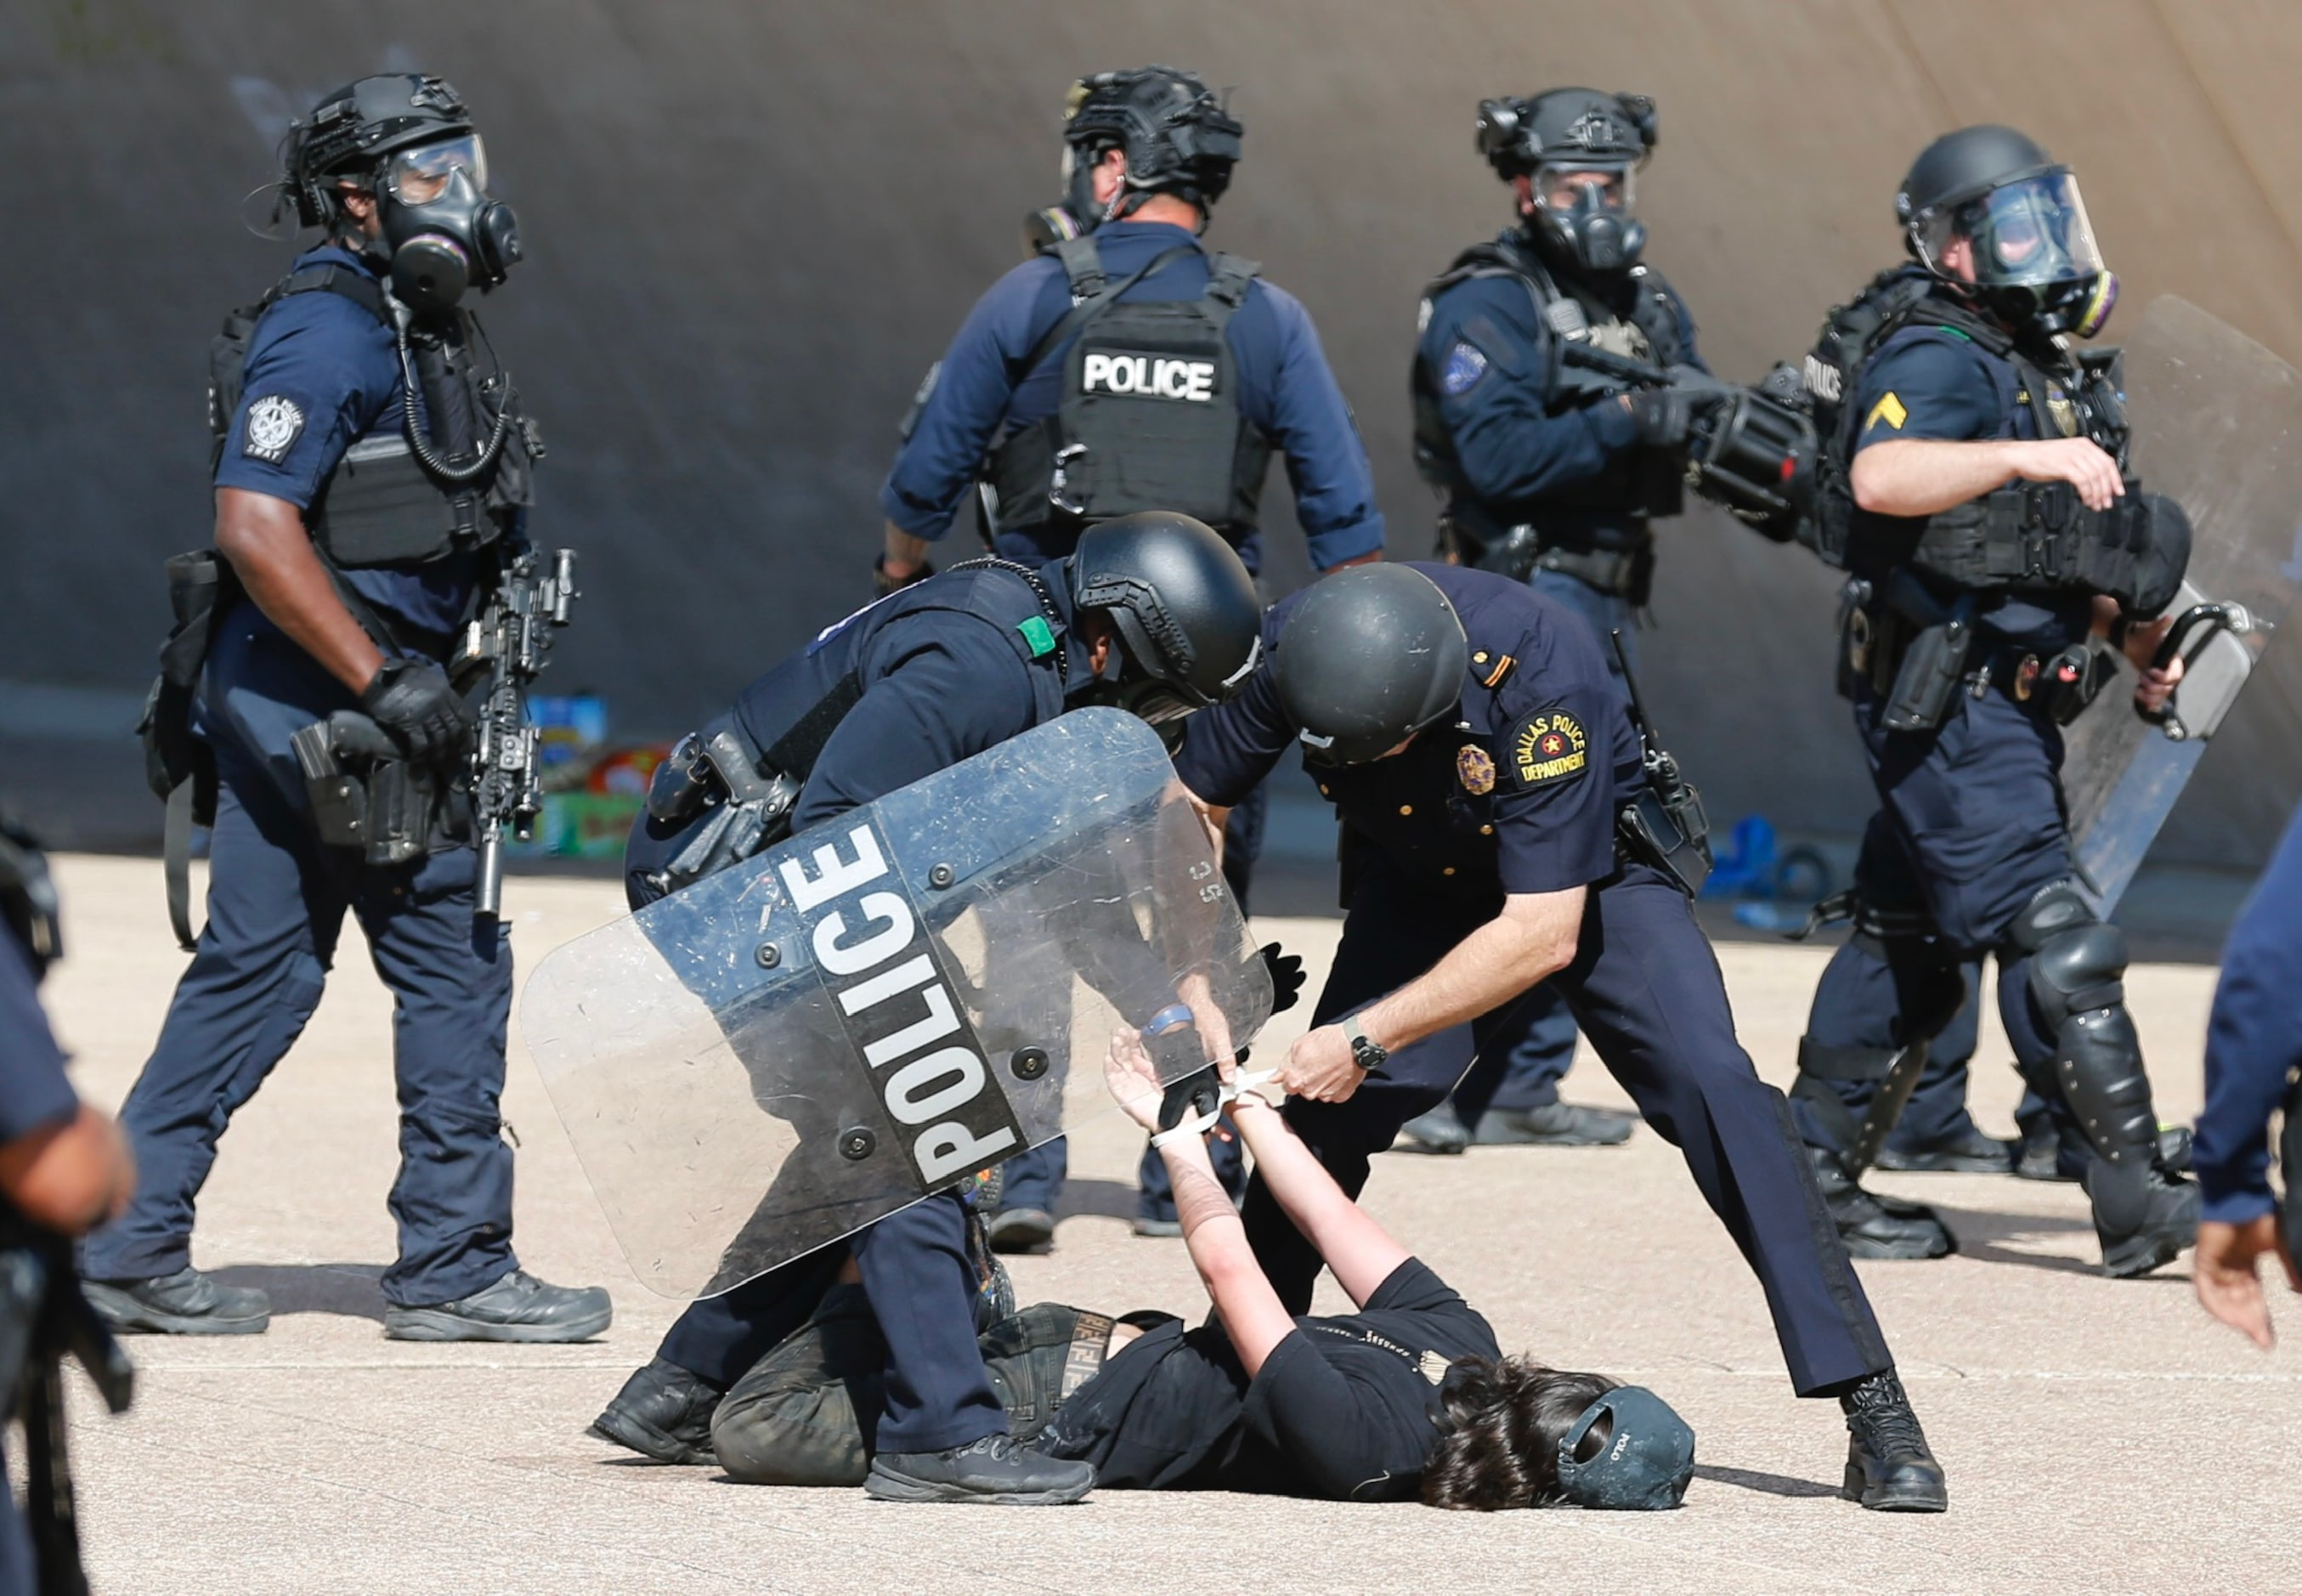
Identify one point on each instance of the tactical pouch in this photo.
(1857, 636)
(1672, 835)
(199, 585)
(1933, 666)
(2075, 678)
(380, 508)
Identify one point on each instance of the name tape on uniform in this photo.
(906, 1024)
(1148, 376)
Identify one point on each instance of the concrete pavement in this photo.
(2099, 1435)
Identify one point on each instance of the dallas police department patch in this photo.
(1476, 767)
(1548, 746)
(1466, 365)
(274, 422)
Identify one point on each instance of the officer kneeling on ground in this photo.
(1152, 613)
(1505, 826)
(371, 472)
(1126, 367)
(1552, 474)
(1972, 486)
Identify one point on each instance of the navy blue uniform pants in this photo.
(1970, 828)
(276, 905)
(1646, 990)
(915, 1272)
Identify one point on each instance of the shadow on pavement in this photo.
(1752, 1479)
(349, 1289)
(1980, 1230)
(1104, 1199)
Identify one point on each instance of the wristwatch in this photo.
(1369, 1055)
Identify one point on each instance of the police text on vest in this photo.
(1149, 376)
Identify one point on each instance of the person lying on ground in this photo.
(1409, 1398)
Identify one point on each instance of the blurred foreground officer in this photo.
(370, 456)
(1153, 614)
(1972, 484)
(63, 1168)
(1506, 824)
(1124, 368)
(2254, 1047)
(1552, 475)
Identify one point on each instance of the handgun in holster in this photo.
(715, 767)
(364, 793)
(1935, 640)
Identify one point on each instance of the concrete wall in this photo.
(751, 226)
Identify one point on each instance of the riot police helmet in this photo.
(1372, 656)
(1986, 210)
(1579, 151)
(1188, 621)
(353, 129)
(1178, 137)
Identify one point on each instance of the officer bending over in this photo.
(1974, 487)
(2254, 1045)
(1482, 761)
(371, 473)
(1152, 613)
(1126, 367)
(1408, 1397)
(1552, 474)
(64, 1169)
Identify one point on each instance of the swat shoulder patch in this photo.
(274, 422)
(1464, 366)
(1548, 746)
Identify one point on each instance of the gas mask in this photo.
(1122, 685)
(2024, 248)
(443, 233)
(1586, 212)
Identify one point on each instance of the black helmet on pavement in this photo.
(1178, 137)
(1188, 621)
(1371, 656)
(1579, 149)
(2030, 255)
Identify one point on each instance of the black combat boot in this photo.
(1027, 1230)
(1889, 1467)
(186, 1303)
(2143, 1217)
(1966, 1152)
(1877, 1227)
(518, 1307)
(996, 1470)
(1553, 1125)
(663, 1411)
(1437, 1131)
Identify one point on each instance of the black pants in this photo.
(1645, 988)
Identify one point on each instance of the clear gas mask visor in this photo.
(420, 175)
(1584, 190)
(2029, 233)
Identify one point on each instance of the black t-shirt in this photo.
(1345, 1408)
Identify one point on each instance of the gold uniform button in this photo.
(1486, 831)
(1406, 809)
(1448, 872)
(1323, 790)
(1480, 658)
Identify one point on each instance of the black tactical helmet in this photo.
(1371, 656)
(2033, 256)
(1576, 130)
(350, 132)
(1178, 137)
(1189, 624)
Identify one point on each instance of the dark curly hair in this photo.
(1499, 1441)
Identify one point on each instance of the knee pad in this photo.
(2077, 964)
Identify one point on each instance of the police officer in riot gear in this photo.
(1549, 473)
(1507, 822)
(1152, 613)
(371, 471)
(1974, 486)
(1126, 367)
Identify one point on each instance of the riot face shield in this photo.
(870, 1012)
(2217, 426)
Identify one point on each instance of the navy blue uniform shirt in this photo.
(1285, 388)
(939, 685)
(2254, 1040)
(1489, 355)
(1934, 383)
(322, 375)
(33, 1091)
(1519, 788)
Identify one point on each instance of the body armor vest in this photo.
(1150, 417)
(2025, 535)
(1640, 482)
(380, 505)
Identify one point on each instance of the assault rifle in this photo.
(506, 648)
(1750, 449)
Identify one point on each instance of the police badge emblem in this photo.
(1476, 767)
(273, 425)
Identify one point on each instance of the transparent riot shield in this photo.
(874, 1009)
(2218, 426)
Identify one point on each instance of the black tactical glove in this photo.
(415, 705)
(1286, 976)
(882, 584)
(1663, 416)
